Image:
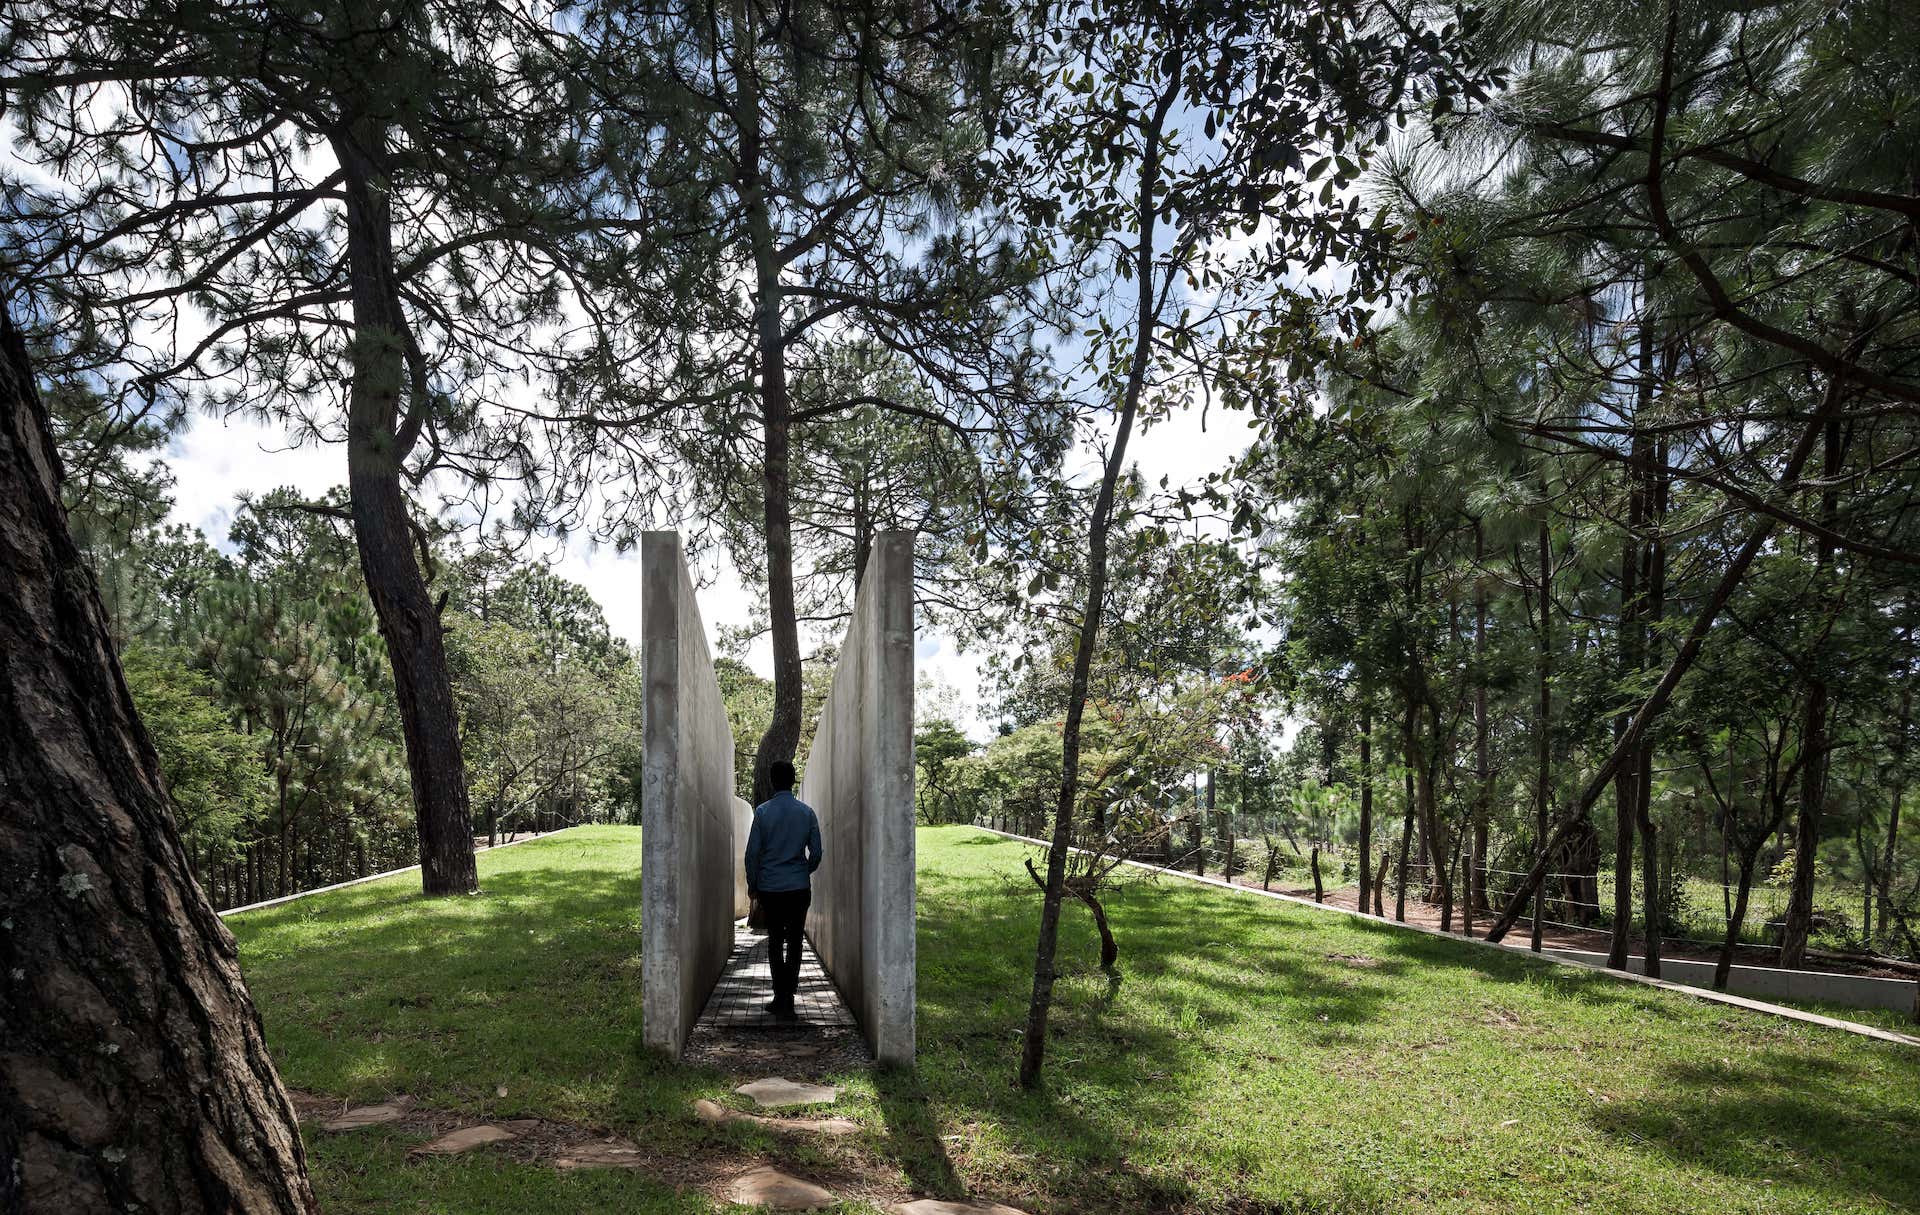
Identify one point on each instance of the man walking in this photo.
(783, 850)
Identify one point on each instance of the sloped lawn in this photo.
(1250, 1057)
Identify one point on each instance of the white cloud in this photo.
(214, 461)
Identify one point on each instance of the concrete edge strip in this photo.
(1699, 993)
(374, 877)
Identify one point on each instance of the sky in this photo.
(215, 460)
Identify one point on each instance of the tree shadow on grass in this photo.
(533, 985)
(914, 1140)
(1123, 1066)
(1778, 1117)
(1219, 986)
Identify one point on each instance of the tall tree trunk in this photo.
(1654, 606)
(1482, 760)
(378, 441)
(1543, 730)
(1213, 820)
(1898, 795)
(1199, 833)
(1813, 740)
(1626, 786)
(1366, 791)
(1406, 840)
(1034, 1043)
(1723, 967)
(133, 1074)
(782, 737)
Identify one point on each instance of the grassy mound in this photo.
(1251, 1056)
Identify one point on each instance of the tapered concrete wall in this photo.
(859, 780)
(742, 825)
(1855, 991)
(687, 817)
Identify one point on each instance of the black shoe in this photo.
(781, 1010)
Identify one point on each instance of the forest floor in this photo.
(1251, 1056)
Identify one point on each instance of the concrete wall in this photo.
(742, 825)
(688, 857)
(859, 780)
(1855, 991)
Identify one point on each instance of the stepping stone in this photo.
(370, 1115)
(464, 1140)
(776, 1191)
(714, 1112)
(603, 1154)
(934, 1206)
(776, 1092)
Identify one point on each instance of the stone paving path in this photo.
(739, 999)
(736, 1034)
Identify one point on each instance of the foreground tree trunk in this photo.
(1033, 1044)
(133, 1073)
(378, 441)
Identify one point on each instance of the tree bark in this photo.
(133, 1071)
(377, 445)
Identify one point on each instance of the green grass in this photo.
(370, 1171)
(1242, 1062)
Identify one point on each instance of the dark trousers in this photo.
(786, 912)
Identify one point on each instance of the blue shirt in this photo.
(783, 849)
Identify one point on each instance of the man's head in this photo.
(780, 774)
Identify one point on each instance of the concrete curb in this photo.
(374, 877)
(1698, 993)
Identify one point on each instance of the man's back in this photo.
(783, 848)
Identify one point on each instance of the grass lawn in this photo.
(1252, 1056)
